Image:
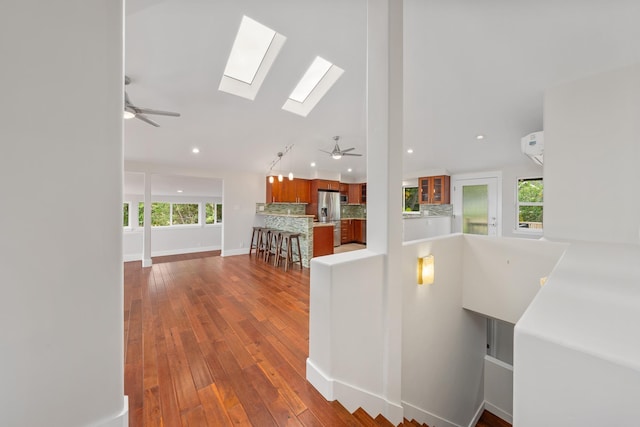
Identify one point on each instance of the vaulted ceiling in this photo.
(471, 67)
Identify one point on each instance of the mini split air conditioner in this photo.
(533, 146)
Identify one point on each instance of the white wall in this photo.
(498, 388)
(443, 345)
(502, 275)
(346, 329)
(61, 345)
(592, 152)
(576, 352)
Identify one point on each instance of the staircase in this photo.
(487, 420)
(367, 420)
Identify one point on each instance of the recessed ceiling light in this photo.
(410, 150)
(479, 137)
(349, 170)
(179, 191)
(313, 164)
(196, 150)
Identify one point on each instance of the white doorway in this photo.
(477, 204)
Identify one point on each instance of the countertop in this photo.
(323, 224)
(361, 219)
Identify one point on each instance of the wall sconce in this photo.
(426, 270)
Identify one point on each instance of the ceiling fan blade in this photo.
(328, 152)
(158, 112)
(350, 154)
(147, 120)
(348, 149)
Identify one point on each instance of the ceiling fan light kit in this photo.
(337, 153)
(132, 111)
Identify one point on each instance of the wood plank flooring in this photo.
(212, 341)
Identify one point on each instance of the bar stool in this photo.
(255, 240)
(288, 242)
(272, 241)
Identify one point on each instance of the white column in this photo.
(61, 132)
(146, 231)
(384, 171)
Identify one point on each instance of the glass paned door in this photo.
(475, 209)
(476, 206)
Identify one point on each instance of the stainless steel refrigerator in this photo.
(329, 211)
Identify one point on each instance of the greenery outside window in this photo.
(529, 202)
(410, 199)
(184, 213)
(213, 213)
(125, 214)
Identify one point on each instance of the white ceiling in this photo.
(471, 67)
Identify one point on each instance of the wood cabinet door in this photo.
(354, 193)
(274, 191)
(357, 230)
(363, 193)
(288, 192)
(424, 190)
(303, 190)
(345, 228)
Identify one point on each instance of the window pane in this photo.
(530, 190)
(218, 213)
(141, 214)
(530, 217)
(209, 214)
(185, 213)
(125, 214)
(411, 203)
(159, 214)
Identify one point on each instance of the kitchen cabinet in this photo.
(346, 232)
(322, 240)
(353, 230)
(324, 184)
(358, 194)
(287, 191)
(434, 190)
(354, 193)
(360, 230)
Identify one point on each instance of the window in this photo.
(411, 202)
(125, 214)
(530, 204)
(184, 213)
(213, 213)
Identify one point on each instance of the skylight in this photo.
(315, 83)
(252, 55)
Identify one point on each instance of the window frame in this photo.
(215, 214)
(518, 204)
(405, 212)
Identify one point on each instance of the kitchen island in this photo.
(302, 224)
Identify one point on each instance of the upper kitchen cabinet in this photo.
(357, 194)
(324, 184)
(434, 190)
(286, 191)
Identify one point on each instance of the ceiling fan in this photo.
(131, 110)
(337, 153)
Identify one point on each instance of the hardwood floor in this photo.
(212, 341)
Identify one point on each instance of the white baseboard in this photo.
(412, 412)
(138, 257)
(352, 397)
(478, 414)
(119, 420)
(498, 412)
(233, 252)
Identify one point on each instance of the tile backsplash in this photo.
(441, 210)
(281, 208)
(353, 211)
